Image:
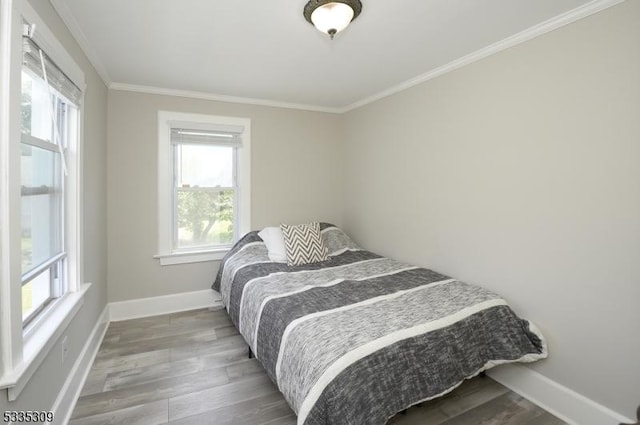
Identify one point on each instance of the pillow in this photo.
(337, 241)
(274, 240)
(304, 244)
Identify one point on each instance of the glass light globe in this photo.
(332, 18)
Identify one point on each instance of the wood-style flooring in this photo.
(192, 368)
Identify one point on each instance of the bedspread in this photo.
(360, 337)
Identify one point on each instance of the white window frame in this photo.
(23, 350)
(167, 120)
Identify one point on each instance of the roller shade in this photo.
(193, 136)
(57, 78)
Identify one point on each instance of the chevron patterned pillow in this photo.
(304, 244)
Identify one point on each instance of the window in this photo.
(204, 185)
(49, 125)
(41, 284)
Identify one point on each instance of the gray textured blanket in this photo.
(358, 338)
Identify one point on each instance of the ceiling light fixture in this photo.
(331, 16)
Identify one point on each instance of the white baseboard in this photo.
(154, 306)
(566, 404)
(68, 396)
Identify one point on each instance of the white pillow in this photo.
(274, 240)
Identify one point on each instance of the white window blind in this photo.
(56, 78)
(195, 136)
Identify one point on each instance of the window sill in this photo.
(191, 257)
(40, 338)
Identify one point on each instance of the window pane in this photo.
(205, 218)
(204, 166)
(36, 293)
(41, 206)
(36, 107)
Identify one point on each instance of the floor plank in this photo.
(260, 410)
(125, 347)
(507, 409)
(198, 349)
(118, 363)
(95, 382)
(191, 368)
(146, 393)
(221, 396)
(155, 413)
(467, 396)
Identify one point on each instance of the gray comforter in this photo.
(358, 338)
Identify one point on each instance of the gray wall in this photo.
(43, 387)
(296, 176)
(520, 173)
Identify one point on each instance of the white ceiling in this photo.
(264, 49)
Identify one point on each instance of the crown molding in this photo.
(220, 97)
(556, 22)
(69, 20)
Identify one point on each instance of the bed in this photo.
(358, 338)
